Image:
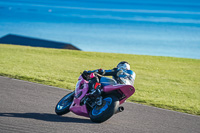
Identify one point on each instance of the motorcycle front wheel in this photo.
(103, 112)
(63, 105)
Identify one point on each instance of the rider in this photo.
(121, 74)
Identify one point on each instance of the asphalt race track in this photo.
(27, 107)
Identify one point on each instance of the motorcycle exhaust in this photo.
(120, 109)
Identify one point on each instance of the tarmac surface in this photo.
(27, 107)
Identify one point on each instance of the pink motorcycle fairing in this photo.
(80, 92)
(82, 88)
(126, 90)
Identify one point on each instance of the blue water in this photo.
(161, 28)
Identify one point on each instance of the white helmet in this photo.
(123, 65)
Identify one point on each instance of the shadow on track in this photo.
(46, 117)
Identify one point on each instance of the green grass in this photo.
(165, 82)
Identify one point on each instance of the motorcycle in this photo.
(98, 109)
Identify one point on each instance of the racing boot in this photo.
(96, 91)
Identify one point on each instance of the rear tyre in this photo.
(102, 113)
(63, 105)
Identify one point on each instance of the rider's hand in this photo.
(85, 75)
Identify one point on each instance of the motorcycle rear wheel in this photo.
(63, 105)
(102, 113)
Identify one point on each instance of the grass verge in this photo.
(164, 82)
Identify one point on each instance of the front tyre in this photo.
(106, 110)
(63, 105)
